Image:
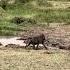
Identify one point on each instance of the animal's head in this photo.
(27, 40)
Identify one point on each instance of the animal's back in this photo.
(38, 39)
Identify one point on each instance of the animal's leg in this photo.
(45, 46)
(37, 47)
(33, 46)
(27, 45)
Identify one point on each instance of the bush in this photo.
(3, 3)
(19, 20)
(32, 21)
(23, 1)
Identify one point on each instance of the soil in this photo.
(60, 34)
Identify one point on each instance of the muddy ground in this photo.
(29, 59)
(59, 34)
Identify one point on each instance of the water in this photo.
(5, 40)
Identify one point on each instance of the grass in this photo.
(51, 16)
(20, 59)
(28, 10)
(42, 15)
(59, 0)
(6, 28)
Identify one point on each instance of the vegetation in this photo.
(38, 12)
(51, 16)
(25, 16)
(20, 59)
(4, 3)
(22, 1)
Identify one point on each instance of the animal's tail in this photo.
(21, 38)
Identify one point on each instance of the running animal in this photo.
(36, 40)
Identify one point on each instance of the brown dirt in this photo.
(52, 59)
(55, 34)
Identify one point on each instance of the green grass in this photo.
(51, 16)
(7, 28)
(21, 10)
(41, 15)
(59, 0)
(30, 11)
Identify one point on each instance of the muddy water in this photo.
(5, 40)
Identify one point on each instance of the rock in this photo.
(14, 46)
(66, 47)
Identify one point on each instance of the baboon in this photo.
(36, 40)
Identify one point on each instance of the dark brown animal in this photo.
(36, 40)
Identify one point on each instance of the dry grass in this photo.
(55, 5)
(20, 59)
(60, 4)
